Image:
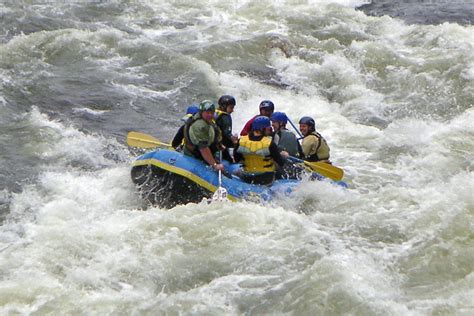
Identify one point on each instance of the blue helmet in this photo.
(260, 122)
(279, 117)
(192, 109)
(207, 105)
(308, 121)
(267, 105)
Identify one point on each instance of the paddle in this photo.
(322, 168)
(221, 193)
(136, 139)
(296, 130)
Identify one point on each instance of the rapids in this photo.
(394, 101)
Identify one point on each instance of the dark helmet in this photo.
(192, 109)
(207, 105)
(267, 105)
(308, 121)
(260, 122)
(226, 100)
(279, 117)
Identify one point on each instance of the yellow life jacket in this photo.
(256, 154)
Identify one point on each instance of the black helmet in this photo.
(308, 121)
(226, 100)
(267, 105)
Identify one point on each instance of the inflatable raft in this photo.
(167, 178)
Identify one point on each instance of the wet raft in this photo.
(167, 178)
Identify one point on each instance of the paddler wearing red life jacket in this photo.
(266, 108)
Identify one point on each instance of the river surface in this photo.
(393, 97)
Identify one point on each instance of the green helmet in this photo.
(207, 105)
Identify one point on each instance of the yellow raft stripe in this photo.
(182, 172)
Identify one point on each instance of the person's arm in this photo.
(225, 125)
(275, 154)
(209, 158)
(247, 127)
(237, 156)
(178, 138)
(300, 151)
(199, 136)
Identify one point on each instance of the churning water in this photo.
(393, 99)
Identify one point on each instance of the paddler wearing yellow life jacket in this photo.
(224, 122)
(258, 153)
(315, 147)
(202, 137)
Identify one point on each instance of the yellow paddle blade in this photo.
(326, 170)
(136, 139)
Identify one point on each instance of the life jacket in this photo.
(226, 129)
(322, 149)
(287, 141)
(192, 148)
(218, 113)
(256, 154)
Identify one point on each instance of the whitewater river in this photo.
(393, 99)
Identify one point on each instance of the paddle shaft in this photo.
(296, 130)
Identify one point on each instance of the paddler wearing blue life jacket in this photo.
(202, 137)
(224, 122)
(285, 139)
(258, 153)
(315, 147)
(178, 139)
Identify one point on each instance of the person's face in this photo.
(207, 115)
(268, 131)
(266, 112)
(275, 125)
(230, 108)
(304, 129)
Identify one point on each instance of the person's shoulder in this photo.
(199, 124)
(310, 138)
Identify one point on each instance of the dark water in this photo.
(423, 11)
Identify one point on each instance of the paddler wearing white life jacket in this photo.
(315, 147)
(286, 140)
(202, 137)
(224, 122)
(258, 153)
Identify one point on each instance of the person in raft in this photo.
(202, 137)
(315, 147)
(224, 121)
(258, 153)
(285, 139)
(178, 139)
(266, 108)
